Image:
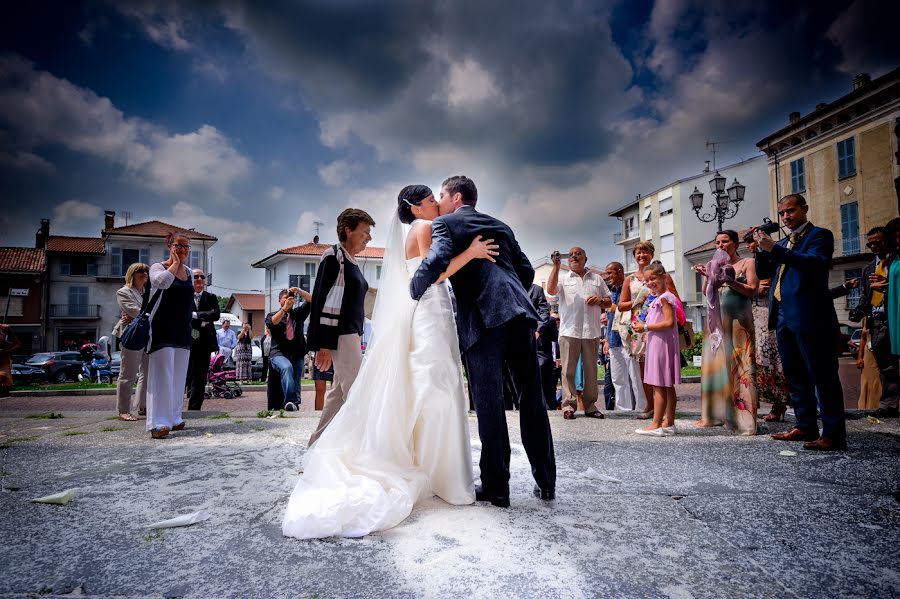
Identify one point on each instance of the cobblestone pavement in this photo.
(701, 514)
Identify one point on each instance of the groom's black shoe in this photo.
(495, 500)
(545, 494)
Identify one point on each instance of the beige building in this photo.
(843, 158)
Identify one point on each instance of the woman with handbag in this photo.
(134, 361)
(728, 393)
(170, 338)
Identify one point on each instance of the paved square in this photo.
(702, 514)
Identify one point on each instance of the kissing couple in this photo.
(403, 433)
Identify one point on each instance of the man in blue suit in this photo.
(802, 314)
(496, 322)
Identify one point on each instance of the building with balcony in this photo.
(843, 157)
(22, 295)
(297, 266)
(83, 274)
(666, 218)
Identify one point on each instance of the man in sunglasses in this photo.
(204, 343)
(874, 306)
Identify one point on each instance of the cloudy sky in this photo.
(252, 120)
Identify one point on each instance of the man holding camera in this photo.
(873, 306)
(583, 296)
(802, 314)
(287, 348)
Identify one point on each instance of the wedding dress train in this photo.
(403, 434)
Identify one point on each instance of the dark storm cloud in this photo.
(536, 82)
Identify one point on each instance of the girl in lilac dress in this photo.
(662, 360)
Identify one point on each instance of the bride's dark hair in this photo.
(411, 195)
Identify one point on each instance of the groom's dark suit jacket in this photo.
(488, 294)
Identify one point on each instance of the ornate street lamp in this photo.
(727, 201)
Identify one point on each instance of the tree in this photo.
(223, 301)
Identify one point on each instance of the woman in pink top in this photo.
(662, 360)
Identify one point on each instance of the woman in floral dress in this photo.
(728, 393)
(771, 385)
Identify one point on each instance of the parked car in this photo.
(28, 375)
(236, 323)
(59, 366)
(853, 343)
(115, 363)
(845, 332)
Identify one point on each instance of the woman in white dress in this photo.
(403, 434)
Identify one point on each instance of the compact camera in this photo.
(555, 255)
(767, 227)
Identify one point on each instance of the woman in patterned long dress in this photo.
(243, 354)
(771, 386)
(634, 302)
(728, 393)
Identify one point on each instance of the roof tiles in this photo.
(20, 259)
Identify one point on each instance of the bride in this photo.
(403, 434)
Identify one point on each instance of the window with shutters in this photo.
(846, 151)
(798, 176)
(78, 301)
(850, 229)
(78, 266)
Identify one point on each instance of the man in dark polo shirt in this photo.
(288, 347)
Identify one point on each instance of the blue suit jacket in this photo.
(805, 299)
(487, 294)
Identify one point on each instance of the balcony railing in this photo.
(628, 234)
(89, 311)
(849, 246)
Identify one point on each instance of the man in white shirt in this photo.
(583, 296)
(227, 341)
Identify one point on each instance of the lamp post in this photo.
(727, 201)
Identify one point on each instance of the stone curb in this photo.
(91, 392)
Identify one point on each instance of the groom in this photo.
(496, 322)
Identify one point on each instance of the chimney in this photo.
(109, 219)
(706, 168)
(794, 117)
(42, 235)
(316, 239)
(821, 106)
(861, 80)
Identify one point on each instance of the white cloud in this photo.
(19, 160)
(162, 21)
(74, 213)
(470, 86)
(337, 173)
(276, 193)
(43, 109)
(200, 159)
(240, 244)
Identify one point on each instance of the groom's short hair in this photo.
(464, 186)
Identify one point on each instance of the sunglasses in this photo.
(200, 277)
(181, 246)
(142, 271)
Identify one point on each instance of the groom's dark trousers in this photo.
(513, 344)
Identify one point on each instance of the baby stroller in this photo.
(220, 382)
(95, 364)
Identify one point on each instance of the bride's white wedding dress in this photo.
(403, 434)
